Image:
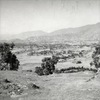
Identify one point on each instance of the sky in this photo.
(18, 16)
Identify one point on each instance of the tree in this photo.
(96, 61)
(96, 57)
(47, 66)
(7, 57)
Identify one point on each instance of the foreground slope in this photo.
(72, 86)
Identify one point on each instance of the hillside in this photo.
(22, 35)
(84, 33)
(25, 35)
(88, 32)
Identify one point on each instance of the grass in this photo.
(64, 86)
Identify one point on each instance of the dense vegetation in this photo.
(47, 66)
(96, 57)
(8, 60)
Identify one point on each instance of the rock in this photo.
(33, 86)
(6, 81)
(78, 62)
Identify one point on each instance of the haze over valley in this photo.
(84, 33)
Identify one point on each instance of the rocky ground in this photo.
(29, 86)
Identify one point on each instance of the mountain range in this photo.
(84, 33)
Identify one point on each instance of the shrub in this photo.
(74, 69)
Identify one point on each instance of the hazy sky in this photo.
(18, 16)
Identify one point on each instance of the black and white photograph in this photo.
(49, 49)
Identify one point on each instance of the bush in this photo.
(74, 69)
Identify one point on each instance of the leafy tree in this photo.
(96, 57)
(7, 57)
(96, 62)
(47, 66)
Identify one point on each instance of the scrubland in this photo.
(57, 86)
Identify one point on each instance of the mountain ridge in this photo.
(85, 33)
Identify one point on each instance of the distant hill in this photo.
(84, 33)
(25, 35)
(22, 36)
(88, 32)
